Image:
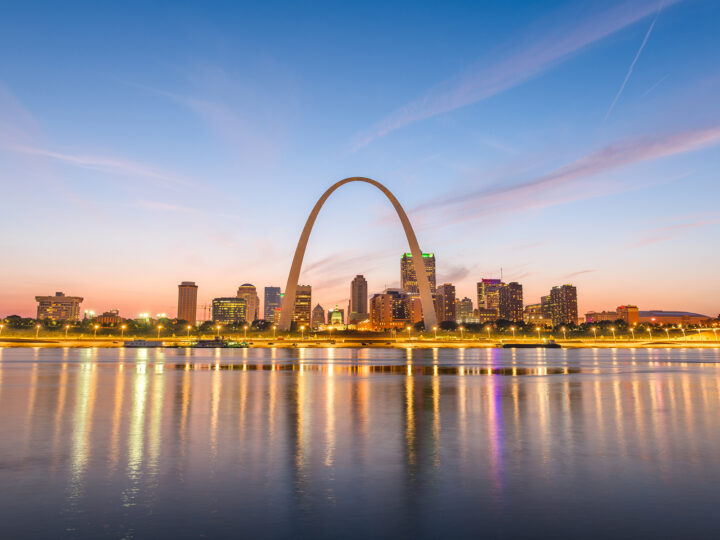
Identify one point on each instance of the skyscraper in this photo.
(408, 278)
(358, 309)
(445, 302)
(272, 301)
(563, 305)
(248, 292)
(464, 310)
(318, 316)
(510, 302)
(187, 302)
(303, 303)
(58, 307)
(488, 294)
(229, 310)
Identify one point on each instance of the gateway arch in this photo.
(288, 304)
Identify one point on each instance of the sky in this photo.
(145, 144)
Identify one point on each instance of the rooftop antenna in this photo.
(501, 273)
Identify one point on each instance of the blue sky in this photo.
(142, 145)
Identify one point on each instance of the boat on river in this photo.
(220, 343)
(142, 344)
(550, 344)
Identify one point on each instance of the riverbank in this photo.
(364, 343)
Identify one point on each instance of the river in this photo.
(359, 443)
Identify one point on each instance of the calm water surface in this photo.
(359, 443)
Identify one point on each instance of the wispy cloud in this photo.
(453, 274)
(166, 207)
(632, 64)
(537, 56)
(660, 234)
(102, 163)
(578, 273)
(544, 190)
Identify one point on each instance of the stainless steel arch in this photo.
(423, 282)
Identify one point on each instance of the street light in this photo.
(667, 333)
(683, 331)
(715, 331)
(512, 328)
(650, 332)
(122, 331)
(217, 328)
(488, 330)
(188, 330)
(435, 330)
(462, 329)
(564, 331)
(632, 331)
(274, 328)
(1, 328)
(96, 329)
(594, 332)
(612, 329)
(408, 329)
(245, 328)
(160, 327)
(37, 330)
(699, 334)
(302, 332)
(537, 328)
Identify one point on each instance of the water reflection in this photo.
(292, 439)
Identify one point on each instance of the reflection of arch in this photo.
(426, 300)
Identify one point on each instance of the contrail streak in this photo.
(632, 65)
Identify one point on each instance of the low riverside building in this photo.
(672, 317)
(229, 310)
(58, 307)
(601, 316)
(629, 314)
(109, 318)
(389, 309)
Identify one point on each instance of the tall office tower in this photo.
(252, 301)
(187, 302)
(389, 309)
(488, 294)
(358, 308)
(408, 279)
(336, 316)
(58, 307)
(229, 310)
(563, 304)
(318, 316)
(445, 302)
(273, 300)
(510, 302)
(464, 310)
(303, 302)
(629, 314)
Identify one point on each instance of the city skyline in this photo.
(591, 162)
